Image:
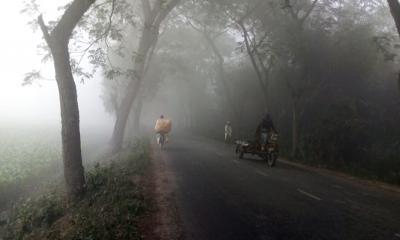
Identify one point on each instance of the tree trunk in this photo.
(136, 116)
(58, 41)
(394, 6)
(295, 129)
(227, 92)
(235, 116)
(398, 82)
(71, 141)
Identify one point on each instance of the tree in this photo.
(297, 90)
(394, 6)
(153, 17)
(57, 40)
(243, 15)
(210, 36)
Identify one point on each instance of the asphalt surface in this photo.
(222, 197)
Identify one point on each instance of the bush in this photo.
(109, 210)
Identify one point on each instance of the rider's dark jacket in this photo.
(266, 124)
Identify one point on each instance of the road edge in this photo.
(163, 221)
(344, 176)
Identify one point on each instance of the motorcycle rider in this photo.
(264, 129)
(228, 132)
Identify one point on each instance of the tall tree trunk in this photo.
(136, 116)
(235, 116)
(295, 129)
(72, 155)
(394, 6)
(58, 41)
(227, 92)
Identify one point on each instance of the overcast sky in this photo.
(37, 103)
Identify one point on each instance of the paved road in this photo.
(222, 197)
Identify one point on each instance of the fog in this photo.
(206, 64)
(38, 103)
(102, 99)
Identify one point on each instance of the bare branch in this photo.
(70, 19)
(394, 6)
(164, 12)
(249, 12)
(194, 27)
(146, 10)
(308, 12)
(44, 29)
(289, 6)
(104, 35)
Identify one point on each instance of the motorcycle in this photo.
(267, 148)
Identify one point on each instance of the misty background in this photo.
(38, 104)
(329, 80)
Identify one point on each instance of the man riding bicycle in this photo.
(162, 128)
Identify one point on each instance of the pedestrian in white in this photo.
(228, 132)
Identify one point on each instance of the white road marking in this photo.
(262, 173)
(309, 195)
(397, 235)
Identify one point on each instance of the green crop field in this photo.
(30, 151)
(26, 151)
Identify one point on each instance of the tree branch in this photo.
(146, 10)
(104, 35)
(45, 30)
(249, 12)
(70, 19)
(253, 60)
(164, 12)
(304, 18)
(291, 10)
(394, 6)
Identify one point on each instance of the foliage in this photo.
(32, 214)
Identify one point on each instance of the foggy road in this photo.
(222, 197)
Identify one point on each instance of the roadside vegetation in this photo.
(110, 208)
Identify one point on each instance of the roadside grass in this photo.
(110, 208)
(378, 166)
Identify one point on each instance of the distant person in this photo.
(162, 128)
(228, 132)
(264, 129)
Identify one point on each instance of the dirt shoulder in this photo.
(163, 220)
